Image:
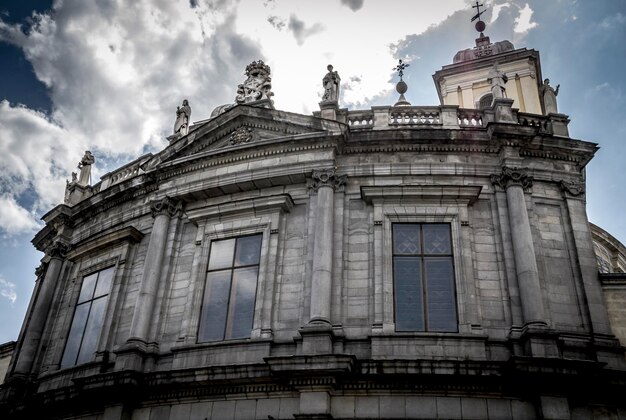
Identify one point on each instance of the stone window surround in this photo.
(421, 204)
(235, 219)
(115, 261)
(95, 254)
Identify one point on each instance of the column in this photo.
(514, 181)
(162, 211)
(39, 312)
(324, 182)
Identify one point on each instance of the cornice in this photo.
(467, 194)
(127, 234)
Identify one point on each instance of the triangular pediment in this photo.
(243, 126)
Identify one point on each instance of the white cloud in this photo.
(522, 22)
(7, 290)
(14, 218)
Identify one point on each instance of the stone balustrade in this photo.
(411, 116)
(128, 171)
(472, 118)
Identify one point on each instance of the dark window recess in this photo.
(423, 278)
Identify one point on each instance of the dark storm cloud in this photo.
(354, 5)
(300, 31)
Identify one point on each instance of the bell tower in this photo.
(467, 82)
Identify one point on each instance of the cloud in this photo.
(276, 22)
(7, 290)
(300, 31)
(522, 22)
(14, 219)
(354, 5)
(115, 73)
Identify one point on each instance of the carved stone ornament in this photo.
(57, 250)
(40, 271)
(257, 86)
(574, 189)
(166, 206)
(241, 135)
(512, 176)
(327, 178)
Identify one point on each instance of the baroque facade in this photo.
(397, 262)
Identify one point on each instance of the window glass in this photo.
(86, 327)
(423, 277)
(221, 255)
(215, 306)
(230, 289)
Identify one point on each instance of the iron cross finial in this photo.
(400, 68)
(478, 12)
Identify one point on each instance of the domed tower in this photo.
(466, 82)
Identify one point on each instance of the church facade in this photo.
(396, 262)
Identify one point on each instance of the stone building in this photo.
(397, 262)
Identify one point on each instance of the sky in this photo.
(107, 75)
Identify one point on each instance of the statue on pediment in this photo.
(257, 86)
(548, 95)
(497, 79)
(85, 168)
(331, 85)
(183, 115)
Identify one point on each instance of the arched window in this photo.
(485, 101)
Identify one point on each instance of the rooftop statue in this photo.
(548, 95)
(331, 85)
(183, 114)
(258, 85)
(498, 80)
(85, 168)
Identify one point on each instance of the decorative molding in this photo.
(166, 206)
(280, 202)
(512, 176)
(574, 189)
(91, 244)
(241, 135)
(467, 194)
(57, 250)
(327, 178)
(40, 271)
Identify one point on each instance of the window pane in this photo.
(440, 291)
(92, 332)
(86, 290)
(436, 239)
(407, 277)
(75, 336)
(248, 250)
(242, 302)
(406, 239)
(221, 255)
(104, 282)
(214, 306)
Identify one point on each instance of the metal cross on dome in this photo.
(480, 25)
(400, 68)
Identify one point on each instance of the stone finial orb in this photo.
(401, 87)
(480, 26)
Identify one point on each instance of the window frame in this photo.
(422, 255)
(76, 304)
(228, 322)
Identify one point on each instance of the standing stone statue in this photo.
(183, 115)
(331, 85)
(548, 94)
(498, 80)
(257, 86)
(85, 169)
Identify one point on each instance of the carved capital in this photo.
(166, 206)
(512, 176)
(57, 250)
(573, 189)
(327, 178)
